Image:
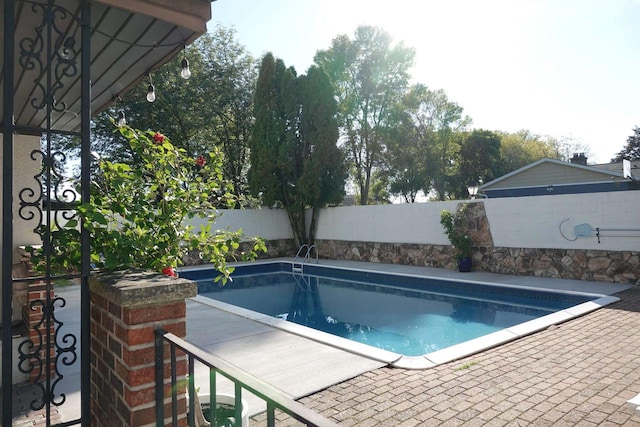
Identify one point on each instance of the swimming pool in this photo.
(404, 314)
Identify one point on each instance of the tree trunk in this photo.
(312, 227)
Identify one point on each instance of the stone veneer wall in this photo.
(275, 249)
(606, 266)
(126, 309)
(581, 264)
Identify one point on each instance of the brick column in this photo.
(126, 308)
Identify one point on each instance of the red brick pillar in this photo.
(126, 308)
(33, 317)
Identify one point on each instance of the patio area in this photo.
(580, 372)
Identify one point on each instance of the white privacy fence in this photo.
(519, 222)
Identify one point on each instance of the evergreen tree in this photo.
(631, 151)
(295, 162)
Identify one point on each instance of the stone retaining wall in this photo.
(275, 249)
(605, 266)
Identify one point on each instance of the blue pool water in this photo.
(408, 315)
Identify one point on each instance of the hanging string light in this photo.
(151, 90)
(121, 120)
(185, 72)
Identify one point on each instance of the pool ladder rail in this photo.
(299, 260)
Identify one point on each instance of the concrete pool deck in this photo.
(580, 372)
(456, 351)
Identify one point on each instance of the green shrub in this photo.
(137, 212)
(456, 229)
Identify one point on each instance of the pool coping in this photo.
(445, 355)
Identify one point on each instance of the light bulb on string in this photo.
(151, 91)
(185, 72)
(122, 120)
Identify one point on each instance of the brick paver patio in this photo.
(579, 373)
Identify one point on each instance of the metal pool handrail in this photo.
(241, 379)
(307, 255)
(300, 249)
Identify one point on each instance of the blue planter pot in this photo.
(464, 264)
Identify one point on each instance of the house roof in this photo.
(130, 38)
(546, 172)
(616, 167)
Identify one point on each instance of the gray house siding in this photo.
(548, 177)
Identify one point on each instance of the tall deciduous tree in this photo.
(407, 149)
(447, 122)
(370, 76)
(424, 144)
(631, 151)
(564, 147)
(295, 161)
(525, 147)
(521, 148)
(478, 160)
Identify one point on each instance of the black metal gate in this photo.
(46, 46)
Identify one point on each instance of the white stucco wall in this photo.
(270, 224)
(24, 169)
(404, 223)
(534, 222)
(519, 222)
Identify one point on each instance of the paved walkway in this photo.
(579, 373)
(23, 415)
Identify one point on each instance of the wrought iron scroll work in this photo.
(61, 57)
(30, 353)
(51, 52)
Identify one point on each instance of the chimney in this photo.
(579, 159)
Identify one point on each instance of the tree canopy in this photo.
(396, 139)
(370, 76)
(478, 160)
(213, 108)
(423, 145)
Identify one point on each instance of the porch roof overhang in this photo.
(130, 38)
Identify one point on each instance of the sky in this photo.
(563, 68)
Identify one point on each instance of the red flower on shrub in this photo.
(200, 161)
(158, 138)
(169, 271)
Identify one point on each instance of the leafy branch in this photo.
(138, 215)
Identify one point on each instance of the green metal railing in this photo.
(242, 380)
